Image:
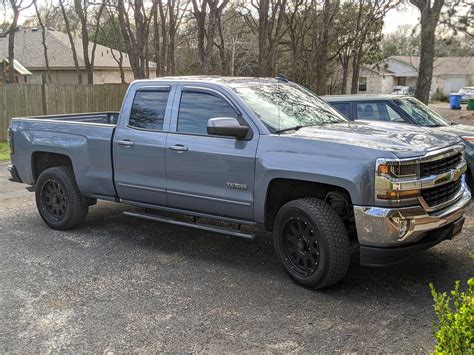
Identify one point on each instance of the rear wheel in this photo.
(58, 199)
(312, 243)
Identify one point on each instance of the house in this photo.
(449, 74)
(21, 73)
(30, 52)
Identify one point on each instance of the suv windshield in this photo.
(422, 114)
(287, 106)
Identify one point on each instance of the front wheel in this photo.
(58, 199)
(312, 243)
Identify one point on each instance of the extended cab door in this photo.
(139, 146)
(210, 174)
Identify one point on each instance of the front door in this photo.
(207, 173)
(139, 148)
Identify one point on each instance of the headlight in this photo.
(397, 169)
(392, 180)
(468, 139)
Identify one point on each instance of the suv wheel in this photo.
(58, 199)
(311, 241)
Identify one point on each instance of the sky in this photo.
(408, 15)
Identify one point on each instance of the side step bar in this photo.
(206, 227)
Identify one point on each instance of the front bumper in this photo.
(376, 256)
(397, 227)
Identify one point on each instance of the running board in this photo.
(206, 227)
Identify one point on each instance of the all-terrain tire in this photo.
(58, 199)
(312, 243)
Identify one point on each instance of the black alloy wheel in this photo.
(301, 245)
(53, 200)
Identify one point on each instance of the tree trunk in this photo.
(164, 45)
(119, 61)
(11, 42)
(71, 42)
(263, 11)
(344, 60)
(356, 63)
(156, 43)
(43, 41)
(321, 50)
(222, 46)
(429, 20)
(200, 17)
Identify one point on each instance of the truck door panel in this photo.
(208, 173)
(139, 148)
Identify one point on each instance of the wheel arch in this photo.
(282, 190)
(42, 160)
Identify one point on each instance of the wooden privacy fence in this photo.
(18, 100)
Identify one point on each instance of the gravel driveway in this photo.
(122, 284)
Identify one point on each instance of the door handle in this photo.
(126, 143)
(178, 148)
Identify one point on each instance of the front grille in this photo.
(438, 195)
(440, 166)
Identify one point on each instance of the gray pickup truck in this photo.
(226, 154)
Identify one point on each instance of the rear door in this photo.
(139, 146)
(210, 174)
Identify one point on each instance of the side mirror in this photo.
(226, 126)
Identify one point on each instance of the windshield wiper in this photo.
(294, 128)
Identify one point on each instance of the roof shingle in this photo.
(29, 51)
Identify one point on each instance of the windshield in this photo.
(284, 106)
(422, 114)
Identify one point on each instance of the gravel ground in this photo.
(120, 284)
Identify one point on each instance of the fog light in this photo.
(403, 227)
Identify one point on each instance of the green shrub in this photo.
(439, 96)
(454, 330)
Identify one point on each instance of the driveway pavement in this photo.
(460, 116)
(121, 284)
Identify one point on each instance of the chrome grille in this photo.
(441, 194)
(440, 166)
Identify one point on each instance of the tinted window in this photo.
(196, 108)
(342, 107)
(148, 110)
(377, 111)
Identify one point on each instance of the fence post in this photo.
(44, 98)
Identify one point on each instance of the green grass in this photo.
(4, 151)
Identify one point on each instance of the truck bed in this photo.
(90, 117)
(85, 139)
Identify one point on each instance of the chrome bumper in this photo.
(387, 227)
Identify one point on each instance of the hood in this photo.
(458, 129)
(402, 140)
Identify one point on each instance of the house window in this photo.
(362, 84)
(401, 81)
